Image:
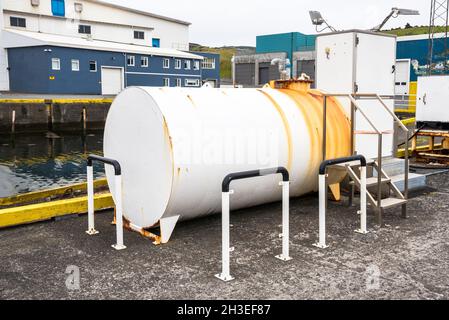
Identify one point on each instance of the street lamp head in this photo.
(316, 17)
(405, 12)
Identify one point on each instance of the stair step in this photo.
(392, 202)
(371, 182)
(353, 164)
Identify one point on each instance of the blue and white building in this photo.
(94, 47)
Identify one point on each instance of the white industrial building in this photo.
(91, 20)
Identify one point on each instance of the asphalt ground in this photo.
(407, 259)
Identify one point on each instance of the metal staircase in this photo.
(391, 196)
(381, 191)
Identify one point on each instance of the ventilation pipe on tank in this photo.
(284, 67)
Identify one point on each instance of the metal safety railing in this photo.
(117, 199)
(355, 106)
(322, 181)
(225, 275)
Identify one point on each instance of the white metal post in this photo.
(90, 201)
(363, 228)
(119, 213)
(285, 256)
(322, 212)
(226, 250)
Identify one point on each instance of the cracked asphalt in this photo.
(408, 259)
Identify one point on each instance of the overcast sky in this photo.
(238, 22)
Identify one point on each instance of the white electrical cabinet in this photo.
(432, 108)
(358, 61)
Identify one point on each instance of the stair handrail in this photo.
(406, 156)
(355, 106)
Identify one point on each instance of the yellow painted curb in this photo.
(407, 122)
(43, 195)
(46, 211)
(404, 111)
(30, 101)
(82, 101)
(401, 152)
(59, 101)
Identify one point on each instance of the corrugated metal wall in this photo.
(245, 74)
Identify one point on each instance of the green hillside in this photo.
(226, 54)
(412, 31)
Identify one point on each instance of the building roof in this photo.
(420, 37)
(112, 5)
(19, 39)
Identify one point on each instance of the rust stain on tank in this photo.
(295, 96)
(143, 232)
(310, 103)
(168, 139)
(287, 128)
(191, 100)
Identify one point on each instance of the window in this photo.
(139, 35)
(196, 65)
(187, 64)
(131, 61)
(192, 82)
(166, 82)
(18, 22)
(156, 42)
(208, 63)
(166, 63)
(178, 63)
(55, 64)
(93, 66)
(178, 82)
(84, 29)
(144, 62)
(58, 8)
(75, 65)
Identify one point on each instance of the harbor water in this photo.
(33, 162)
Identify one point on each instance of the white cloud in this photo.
(238, 22)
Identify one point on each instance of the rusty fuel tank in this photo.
(176, 145)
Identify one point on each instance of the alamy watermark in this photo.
(72, 281)
(372, 274)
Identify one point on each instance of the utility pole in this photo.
(438, 45)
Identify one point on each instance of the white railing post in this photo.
(363, 218)
(117, 199)
(90, 201)
(226, 249)
(322, 212)
(119, 213)
(285, 256)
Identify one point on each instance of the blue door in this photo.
(156, 43)
(58, 8)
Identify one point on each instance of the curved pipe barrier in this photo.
(117, 199)
(225, 203)
(323, 196)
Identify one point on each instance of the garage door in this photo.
(402, 77)
(111, 81)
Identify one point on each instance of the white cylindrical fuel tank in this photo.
(175, 146)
